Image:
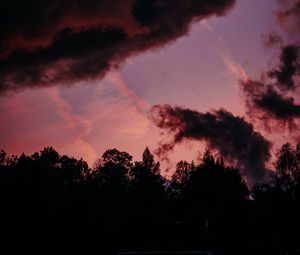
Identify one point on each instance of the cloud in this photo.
(233, 137)
(271, 98)
(266, 103)
(289, 16)
(45, 43)
(288, 68)
(80, 124)
(272, 39)
(83, 121)
(233, 67)
(117, 79)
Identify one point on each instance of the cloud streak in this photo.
(117, 79)
(233, 67)
(81, 125)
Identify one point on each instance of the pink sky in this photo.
(199, 71)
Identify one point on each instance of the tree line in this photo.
(121, 204)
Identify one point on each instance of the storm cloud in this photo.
(44, 43)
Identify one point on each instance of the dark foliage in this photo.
(59, 202)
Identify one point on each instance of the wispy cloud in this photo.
(117, 79)
(233, 67)
(226, 56)
(76, 122)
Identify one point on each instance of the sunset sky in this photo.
(200, 71)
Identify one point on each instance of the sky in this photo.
(201, 68)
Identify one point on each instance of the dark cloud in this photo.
(48, 42)
(271, 99)
(288, 68)
(281, 107)
(233, 137)
(267, 98)
(266, 103)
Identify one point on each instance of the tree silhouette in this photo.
(146, 182)
(287, 166)
(124, 205)
(277, 203)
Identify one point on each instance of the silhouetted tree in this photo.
(2, 157)
(108, 190)
(126, 205)
(213, 196)
(287, 166)
(145, 198)
(146, 182)
(277, 203)
(180, 179)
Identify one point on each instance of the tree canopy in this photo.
(122, 204)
